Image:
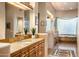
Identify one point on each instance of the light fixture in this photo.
(20, 5)
(49, 13)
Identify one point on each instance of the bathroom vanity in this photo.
(28, 48)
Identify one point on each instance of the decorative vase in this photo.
(33, 36)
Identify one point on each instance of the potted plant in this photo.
(33, 32)
(25, 30)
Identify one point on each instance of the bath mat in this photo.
(62, 53)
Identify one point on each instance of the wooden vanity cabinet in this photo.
(33, 50)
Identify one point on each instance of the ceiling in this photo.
(63, 6)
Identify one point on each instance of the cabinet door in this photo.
(37, 49)
(24, 52)
(41, 48)
(32, 52)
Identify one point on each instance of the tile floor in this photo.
(66, 46)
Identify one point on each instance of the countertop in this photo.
(23, 43)
(2, 45)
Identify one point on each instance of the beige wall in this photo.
(2, 20)
(12, 14)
